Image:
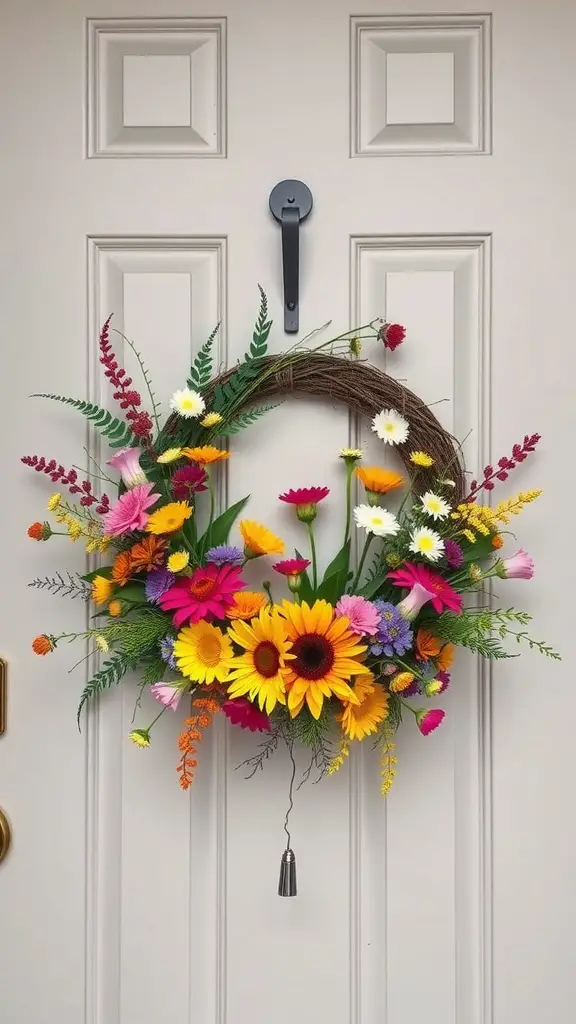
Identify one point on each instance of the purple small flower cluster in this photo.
(394, 635)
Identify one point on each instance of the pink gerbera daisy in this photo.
(206, 594)
(444, 595)
(130, 511)
(291, 566)
(363, 616)
(242, 712)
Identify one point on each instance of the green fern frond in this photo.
(117, 432)
(262, 328)
(237, 384)
(110, 674)
(137, 636)
(201, 369)
(154, 671)
(247, 418)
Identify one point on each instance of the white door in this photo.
(139, 144)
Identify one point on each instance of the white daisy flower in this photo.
(424, 541)
(390, 426)
(435, 506)
(376, 520)
(187, 403)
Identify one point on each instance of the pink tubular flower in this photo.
(188, 481)
(291, 566)
(445, 597)
(130, 511)
(518, 567)
(127, 463)
(305, 499)
(392, 335)
(247, 715)
(429, 720)
(167, 694)
(415, 600)
(362, 614)
(206, 594)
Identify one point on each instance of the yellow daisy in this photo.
(211, 419)
(203, 653)
(327, 654)
(421, 459)
(378, 481)
(170, 455)
(177, 561)
(54, 502)
(247, 604)
(401, 681)
(261, 671)
(169, 518)
(102, 589)
(362, 719)
(205, 454)
(258, 540)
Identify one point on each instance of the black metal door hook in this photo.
(290, 203)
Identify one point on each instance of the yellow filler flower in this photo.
(260, 673)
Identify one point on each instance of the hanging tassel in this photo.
(287, 881)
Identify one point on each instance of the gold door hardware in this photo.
(3, 694)
(5, 835)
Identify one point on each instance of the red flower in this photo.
(392, 335)
(247, 715)
(187, 481)
(39, 531)
(444, 595)
(305, 495)
(292, 566)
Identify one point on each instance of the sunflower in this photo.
(258, 540)
(362, 719)
(206, 454)
(260, 673)
(203, 653)
(169, 518)
(378, 481)
(247, 604)
(327, 653)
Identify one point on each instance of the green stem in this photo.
(411, 669)
(159, 715)
(367, 544)
(349, 471)
(212, 499)
(313, 553)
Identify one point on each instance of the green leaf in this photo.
(132, 592)
(105, 571)
(154, 671)
(336, 576)
(306, 592)
(111, 673)
(201, 369)
(117, 432)
(218, 532)
(340, 562)
(371, 589)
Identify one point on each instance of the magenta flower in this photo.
(416, 599)
(130, 511)
(305, 500)
(453, 553)
(427, 721)
(445, 597)
(206, 594)
(187, 481)
(291, 566)
(518, 567)
(167, 694)
(363, 615)
(247, 715)
(127, 463)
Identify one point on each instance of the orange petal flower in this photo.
(427, 645)
(42, 644)
(247, 604)
(115, 608)
(497, 541)
(445, 659)
(122, 568)
(148, 553)
(205, 454)
(377, 480)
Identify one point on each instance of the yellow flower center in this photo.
(209, 650)
(425, 543)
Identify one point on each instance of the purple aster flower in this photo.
(394, 635)
(157, 583)
(225, 555)
(453, 554)
(167, 651)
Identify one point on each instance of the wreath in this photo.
(327, 655)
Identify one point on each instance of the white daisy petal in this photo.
(376, 520)
(435, 506)
(426, 542)
(187, 403)
(390, 427)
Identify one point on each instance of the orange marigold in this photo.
(445, 659)
(427, 645)
(39, 531)
(497, 541)
(43, 644)
(122, 568)
(148, 554)
(247, 604)
(205, 454)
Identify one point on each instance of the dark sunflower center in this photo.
(266, 659)
(202, 586)
(314, 656)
